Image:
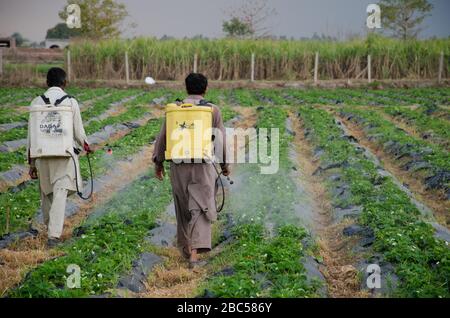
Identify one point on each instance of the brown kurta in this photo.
(193, 186)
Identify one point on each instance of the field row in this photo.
(253, 97)
(421, 261)
(269, 244)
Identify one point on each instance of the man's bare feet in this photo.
(186, 253)
(194, 262)
(194, 256)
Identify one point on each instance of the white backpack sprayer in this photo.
(197, 143)
(51, 135)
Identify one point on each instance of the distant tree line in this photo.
(101, 19)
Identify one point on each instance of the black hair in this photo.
(196, 84)
(56, 76)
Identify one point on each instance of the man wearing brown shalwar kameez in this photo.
(193, 184)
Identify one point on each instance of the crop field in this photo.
(363, 178)
(230, 59)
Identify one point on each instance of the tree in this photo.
(236, 28)
(20, 40)
(403, 17)
(61, 31)
(99, 18)
(249, 20)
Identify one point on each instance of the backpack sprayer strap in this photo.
(45, 99)
(202, 102)
(57, 102)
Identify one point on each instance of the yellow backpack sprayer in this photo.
(189, 137)
(51, 134)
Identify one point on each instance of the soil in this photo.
(338, 265)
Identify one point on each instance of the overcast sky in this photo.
(180, 18)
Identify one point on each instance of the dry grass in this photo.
(249, 115)
(14, 264)
(339, 271)
(173, 279)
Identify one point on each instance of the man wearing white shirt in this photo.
(57, 175)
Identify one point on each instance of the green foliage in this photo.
(267, 262)
(422, 261)
(237, 28)
(101, 105)
(263, 266)
(100, 19)
(25, 203)
(13, 134)
(274, 117)
(21, 205)
(61, 31)
(106, 249)
(227, 113)
(37, 69)
(403, 17)
(230, 59)
(422, 122)
(20, 40)
(9, 159)
(438, 157)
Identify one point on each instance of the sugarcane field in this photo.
(233, 150)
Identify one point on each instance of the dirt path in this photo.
(335, 249)
(173, 278)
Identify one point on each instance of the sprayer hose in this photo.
(80, 194)
(219, 174)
